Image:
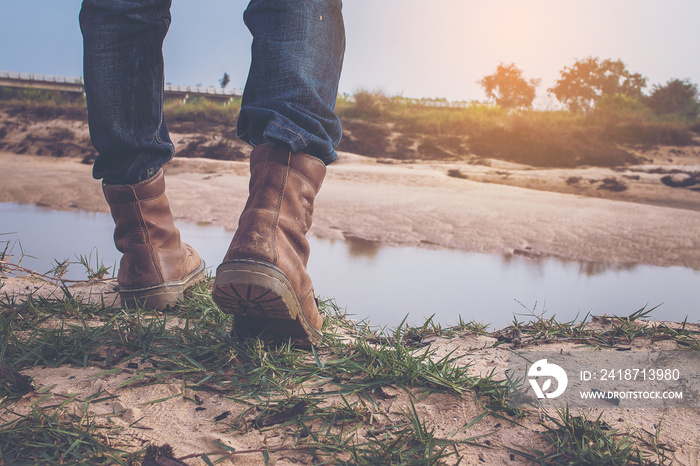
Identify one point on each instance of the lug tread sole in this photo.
(262, 300)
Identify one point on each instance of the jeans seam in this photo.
(165, 8)
(162, 88)
(291, 131)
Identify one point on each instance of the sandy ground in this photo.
(489, 206)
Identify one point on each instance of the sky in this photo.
(412, 48)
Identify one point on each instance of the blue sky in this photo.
(415, 48)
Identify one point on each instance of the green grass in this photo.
(618, 331)
(286, 388)
(353, 363)
(197, 350)
(55, 434)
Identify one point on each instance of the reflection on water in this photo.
(588, 269)
(591, 269)
(384, 284)
(360, 247)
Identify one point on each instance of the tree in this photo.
(676, 96)
(508, 87)
(225, 80)
(587, 81)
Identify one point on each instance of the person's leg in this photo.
(297, 56)
(288, 116)
(123, 69)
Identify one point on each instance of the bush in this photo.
(617, 108)
(365, 105)
(649, 133)
(45, 110)
(675, 97)
(527, 141)
(202, 110)
(41, 96)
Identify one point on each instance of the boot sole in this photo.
(162, 295)
(262, 299)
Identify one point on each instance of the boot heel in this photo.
(262, 299)
(162, 295)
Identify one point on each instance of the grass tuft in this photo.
(579, 440)
(53, 435)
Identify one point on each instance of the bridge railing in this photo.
(40, 77)
(72, 84)
(172, 91)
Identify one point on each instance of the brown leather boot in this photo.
(156, 267)
(263, 279)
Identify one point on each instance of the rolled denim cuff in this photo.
(259, 126)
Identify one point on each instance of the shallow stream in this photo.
(383, 284)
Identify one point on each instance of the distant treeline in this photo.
(587, 83)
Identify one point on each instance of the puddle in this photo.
(383, 284)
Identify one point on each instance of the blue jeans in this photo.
(289, 98)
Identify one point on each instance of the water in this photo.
(384, 284)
